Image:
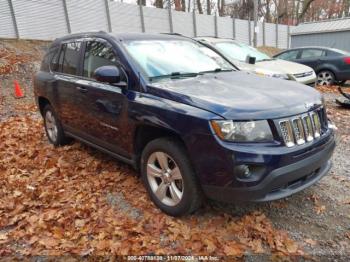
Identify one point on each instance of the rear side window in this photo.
(289, 55)
(97, 54)
(311, 53)
(333, 54)
(68, 58)
(54, 60)
(45, 65)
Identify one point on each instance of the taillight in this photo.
(347, 60)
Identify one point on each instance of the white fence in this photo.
(48, 19)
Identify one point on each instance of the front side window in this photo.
(68, 58)
(97, 54)
(235, 51)
(291, 55)
(166, 57)
(311, 53)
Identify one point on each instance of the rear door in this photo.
(65, 69)
(103, 113)
(312, 57)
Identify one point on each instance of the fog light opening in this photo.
(249, 172)
(242, 171)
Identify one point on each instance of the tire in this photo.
(325, 78)
(341, 83)
(53, 127)
(178, 190)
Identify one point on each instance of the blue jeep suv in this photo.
(192, 124)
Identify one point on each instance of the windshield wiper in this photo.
(216, 70)
(174, 75)
(266, 59)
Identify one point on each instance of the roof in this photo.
(212, 39)
(120, 36)
(324, 26)
(314, 47)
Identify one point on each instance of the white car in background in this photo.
(247, 58)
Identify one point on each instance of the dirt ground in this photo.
(74, 200)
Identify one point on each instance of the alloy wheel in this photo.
(325, 78)
(51, 126)
(164, 178)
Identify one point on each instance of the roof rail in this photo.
(172, 34)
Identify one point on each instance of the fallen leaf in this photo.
(79, 222)
(3, 236)
(320, 209)
(310, 241)
(291, 246)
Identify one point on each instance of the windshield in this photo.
(239, 52)
(174, 58)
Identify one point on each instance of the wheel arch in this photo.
(42, 102)
(146, 133)
(327, 67)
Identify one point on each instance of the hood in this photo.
(282, 66)
(239, 95)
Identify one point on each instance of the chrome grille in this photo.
(298, 131)
(303, 128)
(303, 74)
(287, 133)
(316, 124)
(309, 133)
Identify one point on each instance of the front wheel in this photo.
(169, 177)
(325, 78)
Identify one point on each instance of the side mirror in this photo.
(250, 59)
(107, 74)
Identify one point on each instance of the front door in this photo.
(104, 108)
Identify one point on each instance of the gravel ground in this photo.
(317, 218)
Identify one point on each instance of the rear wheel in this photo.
(53, 127)
(169, 177)
(325, 78)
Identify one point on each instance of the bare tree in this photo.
(183, 5)
(159, 3)
(199, 6)
(177, 5)
(208, 7)
(141, 2)
(305, 7)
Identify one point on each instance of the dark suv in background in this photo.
(192, 124)
(331, 65)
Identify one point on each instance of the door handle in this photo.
(82, 89)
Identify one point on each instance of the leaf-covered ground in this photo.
(75, 200)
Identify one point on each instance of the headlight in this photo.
(270, 74)
(248, 131)
(281, 76)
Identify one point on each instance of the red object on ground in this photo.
(18, 90)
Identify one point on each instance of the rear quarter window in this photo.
(45, 65)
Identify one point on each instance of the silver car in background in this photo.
(247, 58)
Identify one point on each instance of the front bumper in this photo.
(309, 80)
(280, 182)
